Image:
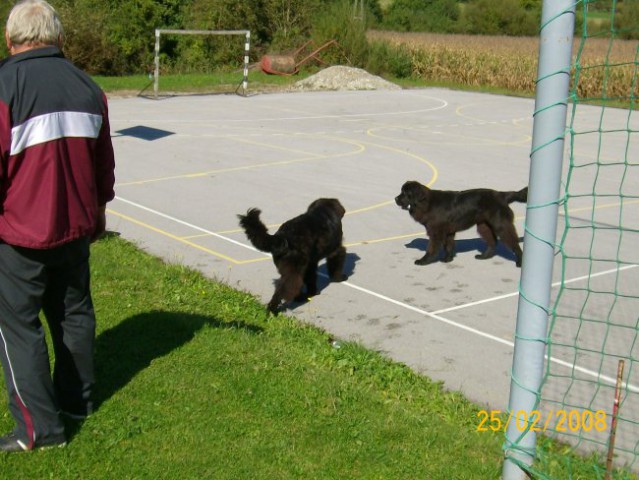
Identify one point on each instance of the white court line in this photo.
(443, 104)
(186, 224)
(434, 315)
(514, 294)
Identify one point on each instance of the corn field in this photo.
(608, 68)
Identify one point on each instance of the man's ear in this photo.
(8, 40)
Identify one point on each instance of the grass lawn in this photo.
(218, 82)
(257, 82)
(196, 381)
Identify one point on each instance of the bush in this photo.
(5, 7)
(422, 16)
(500, 17)
(627, 20)
(339, 23)
(386, 59)
(87, 46)
(115, 37)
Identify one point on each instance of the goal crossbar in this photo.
(160, 31)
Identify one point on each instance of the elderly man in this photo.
(56, 176)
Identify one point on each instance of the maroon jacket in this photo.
(56, 157)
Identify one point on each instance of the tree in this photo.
(627, 20)
(500, 17)
(115, 37)
(338, 22)
(422, 15)
(291, 21)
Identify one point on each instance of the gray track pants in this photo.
(55, 281)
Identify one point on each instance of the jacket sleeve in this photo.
(105, 160)
(5, 145)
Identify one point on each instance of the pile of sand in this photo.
(343, 78)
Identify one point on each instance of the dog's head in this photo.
(329, 204)
(411, 194)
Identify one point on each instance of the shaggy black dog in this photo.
(445, 213)
(298, 246)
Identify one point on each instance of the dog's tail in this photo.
(520, 196)
(257, 232)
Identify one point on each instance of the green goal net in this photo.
(586, 415)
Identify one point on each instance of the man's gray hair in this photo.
(34, 22)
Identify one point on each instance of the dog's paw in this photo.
(303, 297)
(425, 261)
(339, 278)
(484, 256)
(273, 308)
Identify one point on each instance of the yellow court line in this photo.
(277, 147)
(517, 120)
(211, 172)
(409, 154)
(360, 148)
(372, 207)
(380, 240)
(183, 240)
(598, 207)
(518, 217)
(458, 112)
(277, 225)
(349, 245)
(480, 141)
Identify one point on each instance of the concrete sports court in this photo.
(187, 165)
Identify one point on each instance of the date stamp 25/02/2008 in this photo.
(537, 421)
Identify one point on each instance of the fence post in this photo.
(156, 73)
(549, 129)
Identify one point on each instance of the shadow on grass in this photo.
(470, 245)
(128, 348)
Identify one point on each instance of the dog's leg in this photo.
(510, 238)
(335, 265)
(449, 248)
(486, 232)
(432, 252)
(310, 279)
(288, 287)
(276, 300)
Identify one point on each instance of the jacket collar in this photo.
(41, 52)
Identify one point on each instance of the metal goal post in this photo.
(160, 31)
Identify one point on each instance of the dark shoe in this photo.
(10, 443)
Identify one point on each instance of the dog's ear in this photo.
(339, 208)
(415, 192)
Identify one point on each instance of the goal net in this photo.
(243, 84)
(585, 384)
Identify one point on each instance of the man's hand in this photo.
(100, 224)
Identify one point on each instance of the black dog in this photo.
(445, 213)
(298, 246)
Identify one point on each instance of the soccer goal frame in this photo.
(160, 31)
